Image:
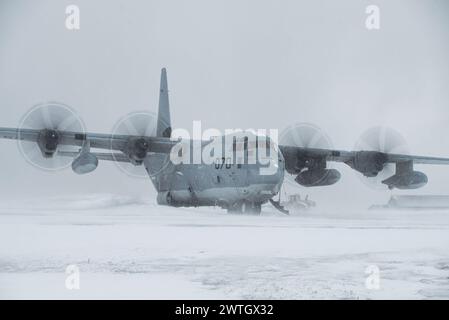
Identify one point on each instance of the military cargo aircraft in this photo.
(238, 186)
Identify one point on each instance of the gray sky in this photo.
(231, 64)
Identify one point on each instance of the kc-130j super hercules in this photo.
(235, 186)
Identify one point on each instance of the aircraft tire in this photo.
(245, 207)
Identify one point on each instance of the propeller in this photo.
(381, 139)
(51, 118)
(304, 135)
(141, 125)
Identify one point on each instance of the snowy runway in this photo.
(128, 248)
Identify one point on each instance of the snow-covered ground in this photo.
(127, 247)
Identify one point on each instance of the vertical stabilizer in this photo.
(164, 121)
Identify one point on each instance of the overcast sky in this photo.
(231, 64)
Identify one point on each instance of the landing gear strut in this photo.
(245, 207)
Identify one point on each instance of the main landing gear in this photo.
(245, 207)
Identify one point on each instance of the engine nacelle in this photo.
(48, 141)
(409, 180)
(318, 177)
(137, 150)
(86, 162)
(369, 163)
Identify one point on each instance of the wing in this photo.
(121, 148)
(417, 159)
(309, 165)
(106, 156)
(292, 154)
(96, 140)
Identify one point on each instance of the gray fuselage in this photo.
(223, 183)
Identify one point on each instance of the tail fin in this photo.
(164, 122)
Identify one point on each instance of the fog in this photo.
(231, 64)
